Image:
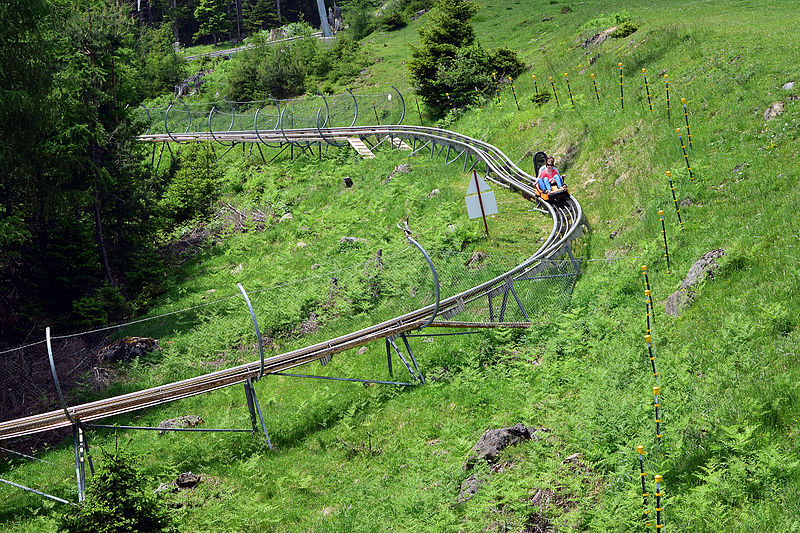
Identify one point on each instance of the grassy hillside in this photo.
(378, 458)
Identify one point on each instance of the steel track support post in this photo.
(503, 306)
(258, 412)
(248, 394)
(519, 304)
(389, 357)
(575, 264)
(413, 360)
(400, 355)
(80, 474)
(491, 308)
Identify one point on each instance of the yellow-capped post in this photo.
(647, 89)
(648, 339)
(513, 91)
(496, 86)
(642, 475)
(536, 88)
(659, 509)
(621, 93)
(664, 234)
(656, 405)
(553, 85)
(569, 89)
(686, 119)
(596, 92)
(666, 83)
(647, 289)
(685, 155)
(449, 101)
(674, 198)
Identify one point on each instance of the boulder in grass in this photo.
(773, 111)
(185, 421)
(126, 349)
(187, 480)
(684, 296)
(494, 441)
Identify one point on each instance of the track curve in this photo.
(567, 225)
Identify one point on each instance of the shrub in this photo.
(393, 20)
(360, 18)
(117, 501)
(624, 29)
(505, 62)
(448, 29)
(194, 188)
(163, 68)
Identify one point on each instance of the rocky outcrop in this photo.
(684, 296)
(494, 441)
(773, 111)
(126, 349)
(186, 421)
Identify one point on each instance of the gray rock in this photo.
(704, 265)
(185, 421)
(127, 348)
(477, 258)
(352, 239)
(788, 86)
(684, 296)
(494, 441)
(165, 487)
(434, 192)
(187, 480)
(469, 487)
(399, 169)
(598, 39)
(286, 217)
(773, 111)
(362, 350)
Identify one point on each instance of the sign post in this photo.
(480, 200)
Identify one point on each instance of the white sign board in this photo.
(473, 190)
(474, 205)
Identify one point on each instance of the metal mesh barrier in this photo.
(219, 333)
(309, 112)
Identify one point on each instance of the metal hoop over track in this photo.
(166, 119)
(230, 126)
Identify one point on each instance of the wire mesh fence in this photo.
(220, 333)
(330, 111)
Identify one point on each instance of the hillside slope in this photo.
(372, 458)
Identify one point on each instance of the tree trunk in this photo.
(280, 21)
(100, 240)
(239, 18)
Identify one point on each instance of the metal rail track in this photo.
(567, 225)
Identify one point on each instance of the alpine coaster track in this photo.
(568, 220)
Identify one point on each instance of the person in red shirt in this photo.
(548, 176)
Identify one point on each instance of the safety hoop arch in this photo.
(230, 127)
(283, 132)
(355, 103)
(327, 116)
(277, 123)
(402, 103)
(166, 117)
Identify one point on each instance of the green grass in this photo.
(727, 364)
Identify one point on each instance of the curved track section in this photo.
(567, 225)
